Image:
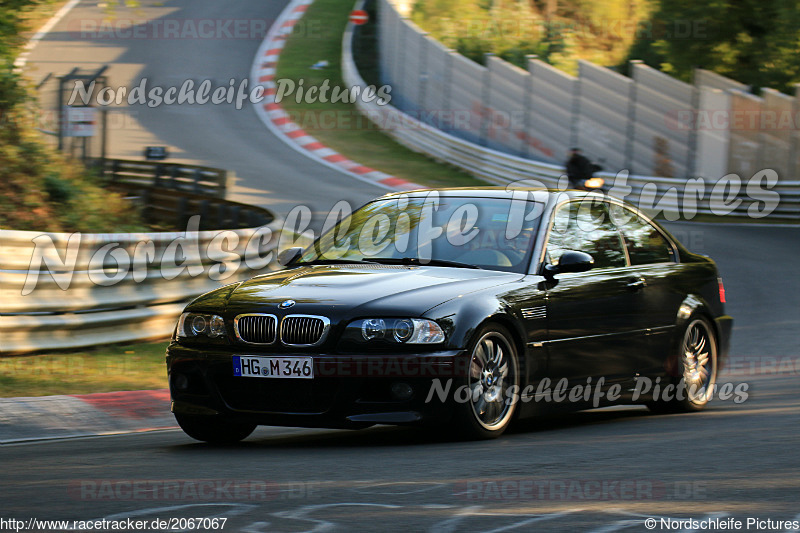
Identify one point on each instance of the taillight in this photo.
(721, 290)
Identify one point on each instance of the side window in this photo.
(585, 226)
(645, 243)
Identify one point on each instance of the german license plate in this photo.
(273, 367)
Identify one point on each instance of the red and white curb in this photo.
(84, 415)
(278, 120)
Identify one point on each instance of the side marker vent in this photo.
(532, 313)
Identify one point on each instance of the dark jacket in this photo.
(579, 169)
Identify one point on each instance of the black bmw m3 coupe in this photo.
(462, 308)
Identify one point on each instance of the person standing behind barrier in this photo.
(579, 169)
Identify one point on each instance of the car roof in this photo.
(489, 192)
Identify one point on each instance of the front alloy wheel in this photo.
(492, 384)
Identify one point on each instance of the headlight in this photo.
(398, 330)
(200, 325)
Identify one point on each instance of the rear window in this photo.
(646, 245)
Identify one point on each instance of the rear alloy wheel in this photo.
(698, 365)
(493, 371)
(214, 430)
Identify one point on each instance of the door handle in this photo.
(637, 285)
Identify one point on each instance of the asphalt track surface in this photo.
(266, 171)
(605, 470)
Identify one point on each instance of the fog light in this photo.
(402, 391)
(181, 382)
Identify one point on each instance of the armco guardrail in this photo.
(650, 193)
(72, 290)
(175, 176)
(61, 291)
(174, 208)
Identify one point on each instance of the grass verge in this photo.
(37, 15)
(340, 125)
(106, 369)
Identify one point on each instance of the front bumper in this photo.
(347, 391)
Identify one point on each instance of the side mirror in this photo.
(286, 257)
(570, 262)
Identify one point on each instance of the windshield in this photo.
(488, 233)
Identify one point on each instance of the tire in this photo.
(493, 369)
(697, 361)
(214, 430)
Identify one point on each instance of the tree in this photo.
(11, 92)
(752, 41)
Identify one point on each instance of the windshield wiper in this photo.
(419, 262)
(333, 262)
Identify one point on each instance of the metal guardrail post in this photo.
(691, 167)
(528, 105)
(197, 177)
(223, 181)
(630, 129)
(447, 98)
(158, 171)
(400, 52)
(794, 140)
(235, 211)
(173, 174)
(203, 210)
(183, 208)
(423, 75)
(485, 101)
(144, 194)
(104, 134)
(221, 214)
(576, 112)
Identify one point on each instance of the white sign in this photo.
(80, 121)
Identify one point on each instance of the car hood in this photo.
(349, 290)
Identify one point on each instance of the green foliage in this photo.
(58, 189)
(10, 24)
(559, 32)
(752, 41)
(40, 189)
